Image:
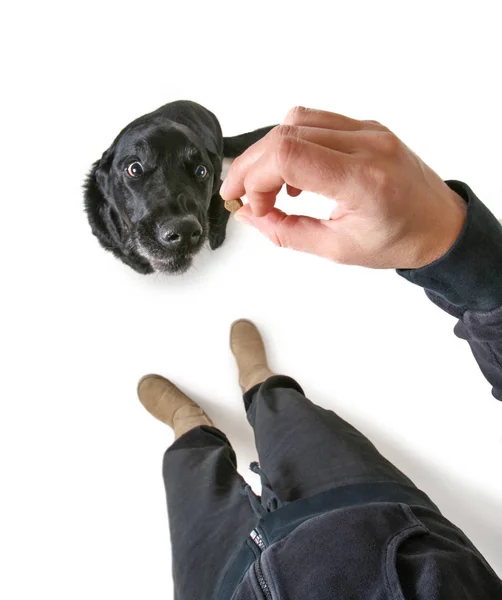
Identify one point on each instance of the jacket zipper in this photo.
(261, 580)
(258, 540)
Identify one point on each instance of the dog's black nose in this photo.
(184, 231)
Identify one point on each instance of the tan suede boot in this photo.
(249, 351)
(170, 405)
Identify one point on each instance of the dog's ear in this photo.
(217, 162)
(218, 215)
(105, 220)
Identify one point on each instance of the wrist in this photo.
(445, 229)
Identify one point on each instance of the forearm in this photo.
(467, 283)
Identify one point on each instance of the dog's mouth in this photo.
(174, 266)
(164, 261)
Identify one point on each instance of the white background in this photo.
(82, 503)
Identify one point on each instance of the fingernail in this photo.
(223, 186)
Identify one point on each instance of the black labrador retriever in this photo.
(153, 197)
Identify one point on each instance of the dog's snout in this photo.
(185, 231)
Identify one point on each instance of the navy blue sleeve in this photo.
(467, 283)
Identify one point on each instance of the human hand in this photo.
(393, 211)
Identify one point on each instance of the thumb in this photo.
(291, 231)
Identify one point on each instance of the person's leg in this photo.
(303, 448)
(209, 517)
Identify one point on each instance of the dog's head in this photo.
(148, 196)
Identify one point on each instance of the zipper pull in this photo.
(257, 539)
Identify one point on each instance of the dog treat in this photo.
(233, 205)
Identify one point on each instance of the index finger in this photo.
(232, 186)
(277, 140)
(311, 117)
(298, 163)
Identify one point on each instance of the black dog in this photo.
(153, 197)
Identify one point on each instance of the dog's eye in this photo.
(201, 172)
(135, 169)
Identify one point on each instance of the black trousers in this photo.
(303, 450)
